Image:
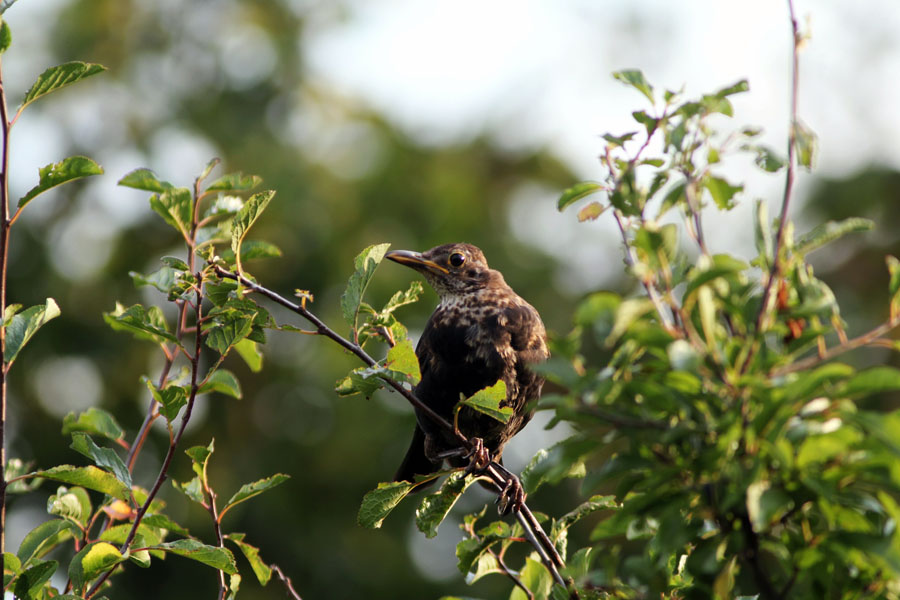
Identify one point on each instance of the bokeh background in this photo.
(415, 123)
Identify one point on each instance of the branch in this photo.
(4, 252)
(873, 337)
(498, 475)
(289, 586)
(775, 270)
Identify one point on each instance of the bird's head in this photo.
(452, 269)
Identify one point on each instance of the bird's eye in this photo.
(457, 259)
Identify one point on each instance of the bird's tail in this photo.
(415, 462)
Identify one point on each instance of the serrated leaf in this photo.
(262, 571)
(193, 489)
(170, 398)
(434, 508)
(830, 231)
(378, 503)
(403, 297)
(93, 560)
(68, 169)
(43, 538)
(145, 179)
(102, 457)
(29, 582)
(245, 218)
(25, 324)
(365, 264)
(806, 144)
(562, 460)
(223, 382)
(58, 77)
(73, 504)
(635, 78)
(95, 421)
(536, 578)
(721, 191)
(234, 182)
(401, 358)
(218, 558)
(149, 325)
(593, 504)
(222, 335)
(577, 192)
(250, 490)
(176, 207)
(487, 401)
(90, 477)
(164, 279)
(249, 351)
(363, 380)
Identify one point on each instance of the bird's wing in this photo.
(526, 331)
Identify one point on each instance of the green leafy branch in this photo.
(495, 473)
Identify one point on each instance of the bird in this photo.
(480, 333)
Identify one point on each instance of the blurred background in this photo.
(414, 123)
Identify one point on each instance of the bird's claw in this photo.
(479, 456)
(511, 497)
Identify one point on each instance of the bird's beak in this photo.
(415, 260)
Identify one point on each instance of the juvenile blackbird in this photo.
(480, 332)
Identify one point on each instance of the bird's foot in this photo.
(479, 456)
(512, 496)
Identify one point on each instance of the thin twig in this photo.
(4, 252)
(288, 585)
(873, 337)
(652, 292)
(498, 475)
(470, 529)
(775, 271)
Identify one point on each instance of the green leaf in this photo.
(218, 558)
(145, 179)
(363, 380)
(262, 571)
(365, 264)
(617, 141)
(29, 583)
(90, 477)
(74, 167)
(721, 191)
(561, 461)
(5, 37)
(149, 325)
(73, 504)
(577, 192)
(95, 421)
(102, 457)
(249, 351)
(402, 298)
(25, 324)
(767, 159)
(593, 504)
(93, 560)
(766, 504)
(635, 78)
(872, 381)
(170, 398)
(165, 279)
(536, 578)
(805, 142)
(224, 382)
(193, 489)
(250, 490)
(378, 503)
(57, 77)
(163, 522)
(893, 266)
(44, 538)
(401, 358)
(736, 88)
(830, 231)
(234, 182)
(245, 218)
(487, 401)
(228, 331)
(434, 508)
(176, 207)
